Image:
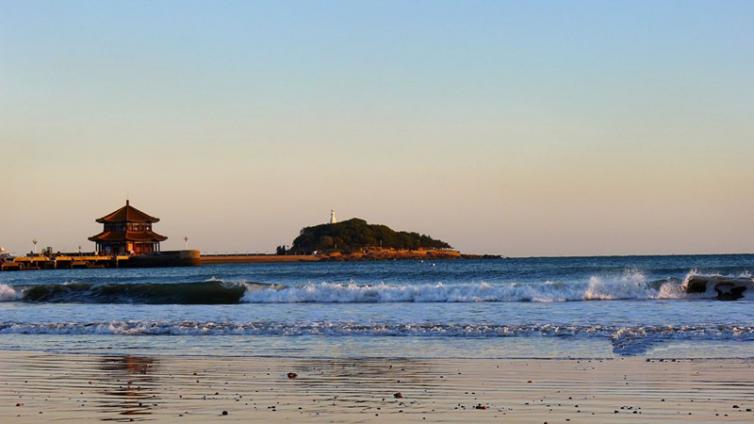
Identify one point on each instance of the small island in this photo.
(356, 239)
(351, 240)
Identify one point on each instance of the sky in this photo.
(508, 127)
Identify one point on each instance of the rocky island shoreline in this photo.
(354, 240)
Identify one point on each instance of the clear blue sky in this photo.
(521, 128)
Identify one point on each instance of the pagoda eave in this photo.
(132, 236)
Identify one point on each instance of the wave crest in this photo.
(8, 293)
(629, 286)
(633, 286)
(151, 293)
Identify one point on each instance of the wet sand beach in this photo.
(43, 387)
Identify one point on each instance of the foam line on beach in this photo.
(626, 340)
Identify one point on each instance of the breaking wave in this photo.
(206, 293)
(8, 293)
(629, 286)
(627, 341)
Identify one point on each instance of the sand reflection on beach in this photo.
(43, 387)
(129, 387)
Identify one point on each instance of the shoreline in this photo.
(42, 387)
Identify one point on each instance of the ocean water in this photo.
(591, 307)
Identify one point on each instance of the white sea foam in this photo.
(628, 340)
(7, 293)
(346, 328)
(629, 286)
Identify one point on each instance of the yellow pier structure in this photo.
(23, 263)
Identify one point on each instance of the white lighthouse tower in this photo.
(333, 220)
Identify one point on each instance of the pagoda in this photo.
(127, 231)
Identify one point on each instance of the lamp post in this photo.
(185, 239)
(34, 242)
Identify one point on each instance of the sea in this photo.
(566, 307)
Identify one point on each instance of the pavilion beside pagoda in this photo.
(127, 231)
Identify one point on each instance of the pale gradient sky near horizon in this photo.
(517, 128)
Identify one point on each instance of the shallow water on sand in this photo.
(507, 308)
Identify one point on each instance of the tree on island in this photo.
(355, 234)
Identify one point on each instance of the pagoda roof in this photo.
(128, 213)
(137, 236)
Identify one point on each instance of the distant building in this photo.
(333, 220)
(127, 231)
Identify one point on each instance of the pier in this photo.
(88, 261)
(25, 263)
(126, 240)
